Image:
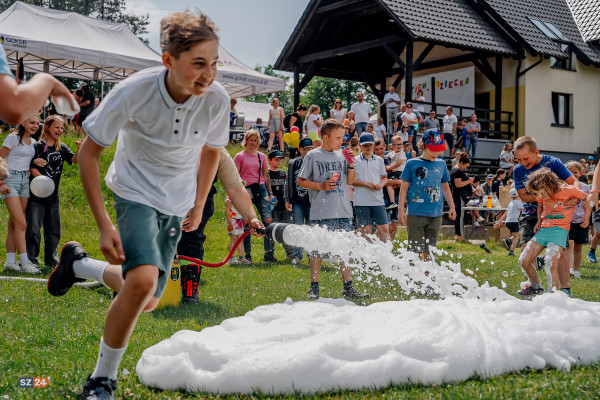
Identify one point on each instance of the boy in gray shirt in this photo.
(325, 173)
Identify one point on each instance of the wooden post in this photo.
(433, 105)
(408, 68)
(498, 95)
(296, 86)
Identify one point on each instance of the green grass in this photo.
(58, 337)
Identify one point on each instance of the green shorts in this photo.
(555, 235)
(149, 237)
(422, 232)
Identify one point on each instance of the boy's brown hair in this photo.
(528, 141)
(543, 179)
(329, 126)
(182, 30)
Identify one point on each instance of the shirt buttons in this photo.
(196, 132)
(177, 121)
(176, 132)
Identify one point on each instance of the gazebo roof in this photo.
(364, 40)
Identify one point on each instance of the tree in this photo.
(324, 91)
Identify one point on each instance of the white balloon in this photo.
(42, 186)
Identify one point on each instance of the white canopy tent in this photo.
(252, 111)
(71, 45)
(240, 80)
(74, 46)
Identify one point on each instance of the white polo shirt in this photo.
(158, 151)
(369, 170)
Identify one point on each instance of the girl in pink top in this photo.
(552, 229)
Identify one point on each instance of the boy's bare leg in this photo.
(315, 268)
(554, 271)
(135, 295)
(346, 272)
(528, 255)
(569, 254)
(113, 277)
(383, 233)
(515, 239)
(393, 228)
(577, 255)
(564, 272)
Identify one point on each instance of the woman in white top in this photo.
(313, 125)
(337, 112)
(275, 124)
(18, 151)
(506, 158)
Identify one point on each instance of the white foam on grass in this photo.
(328, 345)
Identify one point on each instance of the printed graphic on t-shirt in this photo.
(427, 185)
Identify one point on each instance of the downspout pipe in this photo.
(518, 75)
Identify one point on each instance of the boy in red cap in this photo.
(424, 180)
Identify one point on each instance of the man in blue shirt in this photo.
(530, 160)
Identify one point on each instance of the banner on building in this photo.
(456, 87)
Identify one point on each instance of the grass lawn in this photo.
(43, 336)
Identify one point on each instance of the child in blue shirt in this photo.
(424, 180)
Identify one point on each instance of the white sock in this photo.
(89, 268)
(108, 361)
(23, 258)
(11, 257)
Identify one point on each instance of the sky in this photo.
(253, 31)
(333, 344)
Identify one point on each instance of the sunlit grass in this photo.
(58, 337)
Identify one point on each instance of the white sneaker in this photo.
(480, 219)
(30, 268)
(12, 266)
(576, 274)
(233, 260)
(244, 260)
(295, 261)
(476, 224)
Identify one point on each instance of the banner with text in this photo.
(456, 87)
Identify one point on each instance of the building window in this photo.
(563, 63)
(564, 45)
(562, 106)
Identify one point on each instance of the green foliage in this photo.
(58, 337)
(324, 91)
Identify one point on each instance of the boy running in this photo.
(171, 122)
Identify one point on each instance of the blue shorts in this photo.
(371, 215)
(555, 235)
(18, 183)
(148, 237)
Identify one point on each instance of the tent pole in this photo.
(102, 84)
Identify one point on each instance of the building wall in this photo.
(584, 84)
